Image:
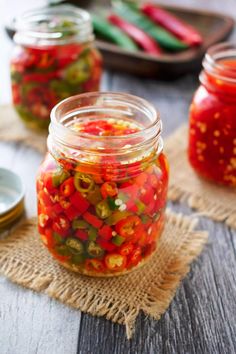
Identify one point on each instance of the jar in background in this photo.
(212, 131)
(102, 187)
(54, 59)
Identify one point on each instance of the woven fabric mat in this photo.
(213, 201)
(150, 289)
(13, 129)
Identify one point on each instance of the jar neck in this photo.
(122, 151)
(51, 26)
(219, 70)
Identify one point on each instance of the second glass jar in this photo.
(102, 187)
(55, 58)
(212, 131)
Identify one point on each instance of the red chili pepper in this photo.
(71, 212)
(107, 246)
(126, 227)
(131, 206)
(67, 187)
(44, 198)
(38, 77)
(147, 195)
(180, 29)
(56, 208)
(109, 189)
(138, 35)
(16, 94)
(150, 207)
(115, 261)
(105, 232)
(82, 235)
(48, 183)
(135, 257)
(141, 179)
(94, 265)
(47, 237)
(79, 202)
(92, 220)
(126, 249)
(61, 225)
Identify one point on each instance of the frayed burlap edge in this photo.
(12, 129)
(158, 296)
(205, 206)
(217, 210)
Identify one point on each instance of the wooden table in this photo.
(202, 316)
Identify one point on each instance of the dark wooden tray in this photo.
(214, 28)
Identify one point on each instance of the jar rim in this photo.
(215, 61)
(56, 25)
(118, 97)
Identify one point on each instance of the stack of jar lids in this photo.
(11, 198)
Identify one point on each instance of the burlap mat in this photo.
(12, 129)
(214, 201)
(150, 289)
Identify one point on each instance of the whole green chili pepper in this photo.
(164, 38)
(112, 33)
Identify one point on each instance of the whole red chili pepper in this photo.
(138, 35)
(180, 29)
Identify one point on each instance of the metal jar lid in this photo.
(11, 198)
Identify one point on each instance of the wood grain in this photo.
(201, 318)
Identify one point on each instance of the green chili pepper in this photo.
(16, 76)
(117, 216)
(66, 28)
(118, 240)
(77, 259)
(78, 72)
(75, 245)
(164, 38)
(103, 210)
(63, 89)
(111, 203)
(141, 207)
(59, 177)
(63, 250)
(156, 216)
(112, 33)
(83, 183)
(31, 119)
(92, 234)
(57, 238)
(122, 196)
(144, 218)
(94, 197)
(79, 224)
(94, 250)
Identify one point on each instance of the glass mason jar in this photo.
(54, 59)
(212, 131)
(102, 187)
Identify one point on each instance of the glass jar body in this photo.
(212, 123)
(41, 76)
(101, 224)
(212, 137)
(102, 187)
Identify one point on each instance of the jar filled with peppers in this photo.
(212, 132)
(54, 59)
(103, 184)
